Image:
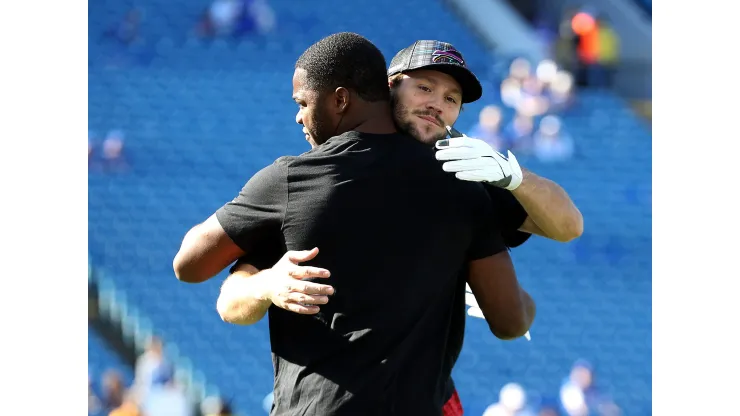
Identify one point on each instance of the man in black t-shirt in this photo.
(366, 196)
(429, 82)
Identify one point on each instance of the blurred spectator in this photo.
(220, 18)
(565, 45)
(560, 92)
(546, 71)
(147, 364)
(512, 401)
(236, 18)
(551, 144)
(114, 390)
(165, 397)
(94, 404)
(533, 93)
(113, 155)
(602, 72)
(127, 30)
(215, 406)
(518, 134)
(573, 401)
(511, 92)
(488, 126)
(520, 69)
(548, 407)
(127, 408)
(579, 395)
(597, 49)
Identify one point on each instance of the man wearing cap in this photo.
(429, 82)
(439, 83)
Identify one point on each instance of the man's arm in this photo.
(247, 293)
(550, 211)
(507, 308)
(547, 209)
(253, 217)
(205, 251)
(243, 299)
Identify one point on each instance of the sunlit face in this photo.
(313, 112)
(420, 99)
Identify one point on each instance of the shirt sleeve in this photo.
(256, 214)
(487, 237)
(265, 255)
(509, 215)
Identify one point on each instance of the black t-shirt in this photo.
(396, 232)
(509, 215)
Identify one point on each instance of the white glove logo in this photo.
(475, 160)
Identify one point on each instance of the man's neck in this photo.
(377, 120)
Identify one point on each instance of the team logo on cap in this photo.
(450, 57)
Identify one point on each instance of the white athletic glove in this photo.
(475, 160)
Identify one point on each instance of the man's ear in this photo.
(342, 98)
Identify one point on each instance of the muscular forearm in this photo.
(205, 251)
(530, 311)
(243, 299)
(510, 328)
(549, 207)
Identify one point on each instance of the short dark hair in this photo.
(346, 60)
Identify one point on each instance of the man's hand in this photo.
(475, 160)
(285, 288)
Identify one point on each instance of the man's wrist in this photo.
(254, 285)
(522, 185)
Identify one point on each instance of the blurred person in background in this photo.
(567, 41)
(216, 406)
(579, 395)
(512, 401)
(488, 127)
(113, 390)
(165, 397)
(551, 143)
(147, 364)
(221, 18)
(560, 92)
(94, 404)
(607, 59)
(129, 407)
(548, 407)
(556, 91)
(235, 18)
(113, 155)
(597, 50)
(127, 30)
(585, 33)
(518, 133)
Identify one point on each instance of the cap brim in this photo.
(471, 88)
